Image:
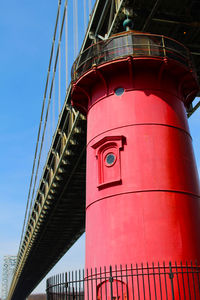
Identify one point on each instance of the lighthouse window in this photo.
(119, 91)
(110, 159)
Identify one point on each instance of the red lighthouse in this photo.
(142, 184)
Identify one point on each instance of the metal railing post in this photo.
(111, 283)
(66, 286)
(171, 277)
(163, 45)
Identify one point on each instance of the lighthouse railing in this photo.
(134, 44)
(166, 281)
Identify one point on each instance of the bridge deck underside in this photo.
(63, 222)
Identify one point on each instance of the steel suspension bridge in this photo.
(55, 211)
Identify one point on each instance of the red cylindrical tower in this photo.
(142, 201)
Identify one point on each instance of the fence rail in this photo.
(130, 44)
(139, 282)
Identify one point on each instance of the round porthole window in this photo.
(119, 91)
(110, 159)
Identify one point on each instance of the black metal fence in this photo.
(138, 282)
(130, 44)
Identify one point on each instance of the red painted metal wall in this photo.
(142, 182)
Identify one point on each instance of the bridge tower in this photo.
(9, 263)
(142, 201)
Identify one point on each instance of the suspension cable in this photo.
(90, 6)
(66, 46)
(40, 125)
(49, 100)
(50, 96)
(85, 16)
(53, 101)
(59, 74)
(75, 27)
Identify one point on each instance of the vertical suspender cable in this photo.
(47, 142)
(75, 29)
(66, 45)
(47, 112)
(59, 69)
(85, 16)
(53, 100)
(49, 100)
(28, 205)
(45, 125)
(90, 6)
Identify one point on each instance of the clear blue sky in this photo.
(26, 31)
